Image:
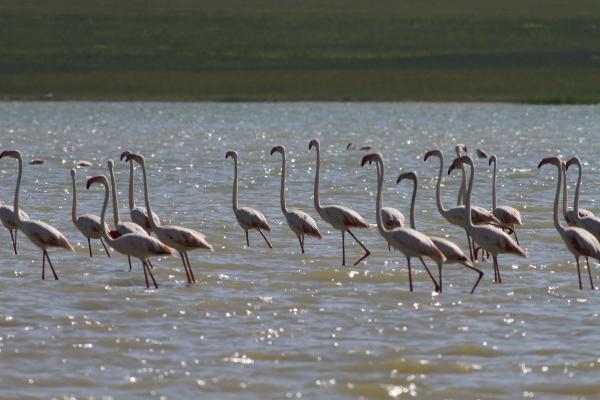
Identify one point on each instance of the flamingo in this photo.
(392, 217)
(508, 216)
(121, 227)
(175, 236)
(131, 244)
(409, 241)
(88, 224)
(456, 215)
(340, 217)
(492, 239)
(139, 214)
(579, 241)
(299, 222)
(7, 216)
(40, 233)
(247, 217)
(590, 223)
(571, 216)
(452, 252)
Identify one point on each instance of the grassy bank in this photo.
(464, 50)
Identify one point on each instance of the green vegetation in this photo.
(464, 50)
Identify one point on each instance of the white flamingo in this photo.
(492, 239)
(579, 241)
(136, 245)
(570, 216)
(139, 214)
(7, 216)
(247, 217)
(299, 222)
(452, 252)
(590, 223)
(175, 236)
(88, 224)
(409, 241)
(40, 233)
(340, 217)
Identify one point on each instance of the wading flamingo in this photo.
(590, 223)
(40, 233)
(340, 217)
(452, 252)
(7, 216)
(299, 222)
(492, 239)
(247, 217)
(569, 214)
(136, 245)
(139, 214)
(579, 241)
(175, 236)
(88, 224)
(409, 241)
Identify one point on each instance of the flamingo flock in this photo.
(492, 230)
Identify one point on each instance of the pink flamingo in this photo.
(492, 239)
(590, 223)
(409, 241)
(299, 222)
(132, 244)
(570, 215)
(247, 217)
(452, 252)
(139, 214)
(340, 217)
(88, 224)
(175, 236)
(579, 241)
(7, 216)
(40, 233)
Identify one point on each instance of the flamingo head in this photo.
(407, 175)
(349, 147)
(233, 154)
(373, 157)
(11, 153)
(313, 143)
(492, 159)
(481, 153)
(458, 162)
(278, 149)
(73, 172)
(124, 154)
(550, 160)
(460, 147)
(573, 160)
(436, 153)
(97, 179)
(138, 158)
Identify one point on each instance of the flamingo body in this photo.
(9, 220)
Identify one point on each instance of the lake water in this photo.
(274, 323)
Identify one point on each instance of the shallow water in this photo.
(274, 323)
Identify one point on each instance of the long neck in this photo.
(131, 188)
(460, 199)
(17, 190)
(412, 205)
(316, 198)
(234, 197)
(103, 226)
(74, 206)
(146, 197)
(494, 187)
(577, 187)
(438, 190)
(565, 191)
(557, 224)
(282, 193)
(379, 203)
(468, 221)
(115, 201)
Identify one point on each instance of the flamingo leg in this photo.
(105, 249)
(44, 265)
(301, 240)
(151, 275)
(16, 230)
(247, 240)
(150, 264)
(589, 273)
(13, 240)
(343, 248)
(471, 252)
(410, 285)
(579, 273)
(367, 252)
(50, 264)
(438, 287)
(480, 272)
(264, 237)
(145, 274)
(187, 273)
(497, 277)
(187, 260)
(129, 261)
(90, 246)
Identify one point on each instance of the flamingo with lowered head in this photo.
(247, 217)
(40, 233)
(175, 236)
(299, 222)
(132, 244)
(340, 217)
(409, 241)
(452, 252)
(139, 214)
(88, 224)
(491, 238)
(579, 241)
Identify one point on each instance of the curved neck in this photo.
(412, 205)
(74, 206)
(494, 186)
(557, 224)
(131, 189)
(282, 193)
(17, 190)
(146, 197)
(103, 225)
(438, 189)
(468, 221)
(577, 187)
(113, 184)
(379, 202)
(316, 198)
(460, 200)
(234, 198)
(563, 174)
